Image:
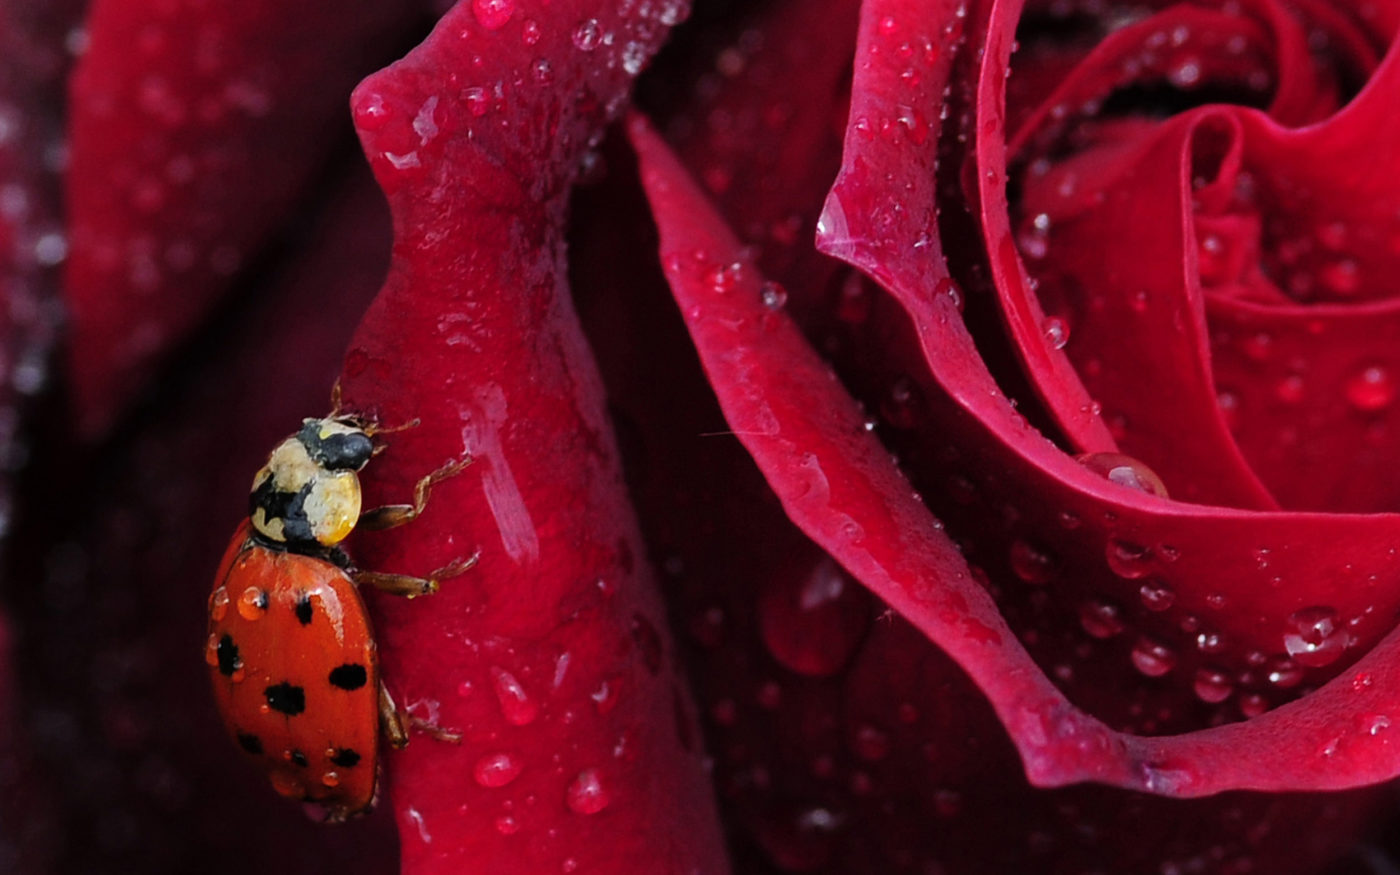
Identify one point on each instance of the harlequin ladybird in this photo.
(290, 648)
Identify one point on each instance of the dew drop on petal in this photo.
(1371, 389)
(1152, 658)
(1056, 332)
(1156, 595)
(812, 622)
(496, 769)
(586, 794)
(493, 14)
(1100, 619)
(516, 705)
(587, 35)
(1315, 637)
(1031, 564)
(1212, 685)
(1124, 471)
(1129, 560)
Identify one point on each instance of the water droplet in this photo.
(903, 405)
(507, 825)
(587, 795)
(587, 35)
(1125, 471)
(634, 57)
(1128, 560)
(1315, 637)
(516, 706)
(331, 779)
(1283, 672)
(1371, 389)
(773, 295)
(496, 769)
(1212, 685)
(1056, 332)
(1031, 564)
(1153, 658)
(673, 12)
(218, 604)
(813, 622)
(1100, 618)
(1156, 595)
(1376, 724)
(493, 14)
(252, 604)
(1253, 705)
(870, 744)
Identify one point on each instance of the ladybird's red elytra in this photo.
(290, 648)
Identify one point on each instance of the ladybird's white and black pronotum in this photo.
(290, 648)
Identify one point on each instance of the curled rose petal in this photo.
(849, 498)
(551, 657)
(194, 130)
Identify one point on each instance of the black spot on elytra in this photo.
(345, 757)
(286, 698)
(303, 608)
(299, 758)
(228, 657)
(350, 676)
(250, 743)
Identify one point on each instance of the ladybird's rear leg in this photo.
(395, 723)
(409, 586)
(393, 515)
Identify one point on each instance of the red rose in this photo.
(867, 613)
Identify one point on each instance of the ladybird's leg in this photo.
(409, 586)
(393, 515)
(392, 722)
(396, 722)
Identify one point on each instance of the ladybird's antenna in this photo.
(335, 399)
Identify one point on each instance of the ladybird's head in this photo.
(308, 494)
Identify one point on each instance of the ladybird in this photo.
(291, 651)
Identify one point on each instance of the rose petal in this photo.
(194, 130)
(551, 657)
(837, 483)
(1316, 385)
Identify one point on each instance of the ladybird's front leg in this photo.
(409, 586)
(393, 515)
(395, 723)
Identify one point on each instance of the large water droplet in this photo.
(812, 622)
(1315, 637)
(1125, 471)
